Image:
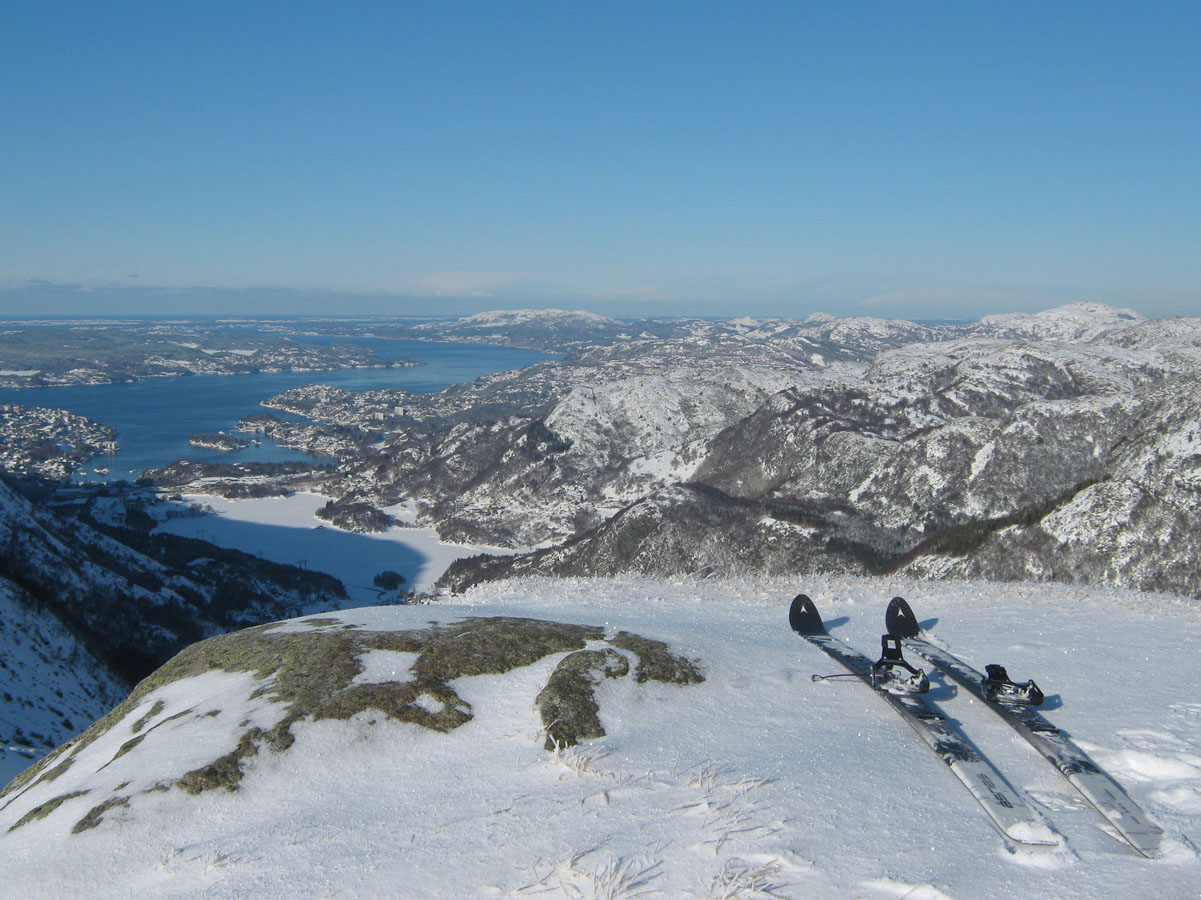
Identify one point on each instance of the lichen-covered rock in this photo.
(568, 704)
(320, 668)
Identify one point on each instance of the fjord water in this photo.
(155, 417)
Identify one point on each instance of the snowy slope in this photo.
(757, 782)
(1072, 321)
(1072, 460)
(51, 687)
(135, 600)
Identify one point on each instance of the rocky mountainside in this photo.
(539, 455)
(51, 686)
(91, 603)
(1064, 447)
(1054, 445)
(695, 529)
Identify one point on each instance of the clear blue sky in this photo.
(917, 159)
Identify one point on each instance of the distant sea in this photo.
(155, 417)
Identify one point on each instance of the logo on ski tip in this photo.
(997, 795)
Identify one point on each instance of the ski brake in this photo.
(885, 674)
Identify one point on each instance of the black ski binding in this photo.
(999, 688)
(885, 674)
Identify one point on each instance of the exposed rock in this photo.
(568, 704)
(312, 670)
(358, 516)
(697, 529)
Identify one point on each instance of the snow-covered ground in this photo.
(39, 650)
(758, 782)
(287, 530)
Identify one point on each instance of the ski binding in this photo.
(999, 688)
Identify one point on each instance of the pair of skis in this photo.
(1013, 702)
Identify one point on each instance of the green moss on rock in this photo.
(402, 702)
(322, 622)
(312, 675)
(43, 810)
(568, 704)
(225, 771)
(490, 646)
(656, 662)
(96, 814)
(41, 770)
(58, 770)
(153, 711)
(125, 748)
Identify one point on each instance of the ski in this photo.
(1007, 811)
(1014, 703)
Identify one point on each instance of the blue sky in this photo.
(921, 159)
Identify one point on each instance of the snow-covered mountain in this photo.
(653, 735)
(537, 329)
(1053, 446)
(403, 751)
(1074, 459)
(1070, 322)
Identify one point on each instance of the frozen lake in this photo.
(286, 530)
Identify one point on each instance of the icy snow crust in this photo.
(757, 782)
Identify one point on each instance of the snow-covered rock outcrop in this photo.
(370, 753)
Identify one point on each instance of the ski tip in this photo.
(804, 617)
(900, 620)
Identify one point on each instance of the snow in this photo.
(758, 782)
(1072, 321)
(39, 650)
(199, 719)
(511, 317)
(286, 530)
(380, 666)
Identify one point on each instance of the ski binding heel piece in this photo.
(1000, 688)
(885, 674)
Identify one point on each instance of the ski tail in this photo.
(900, 619)
(804, 617)
(1014, 703)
